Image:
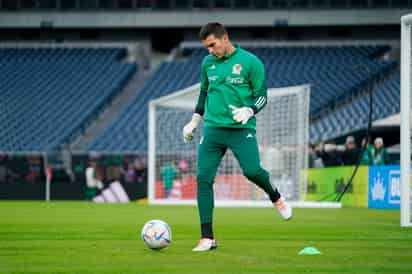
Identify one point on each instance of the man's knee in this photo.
(252, 173)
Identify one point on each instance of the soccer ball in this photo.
(156, 234)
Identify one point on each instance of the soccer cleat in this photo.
(205, 244)
(285, 210)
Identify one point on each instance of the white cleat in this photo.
(284, 209)
(205, 244)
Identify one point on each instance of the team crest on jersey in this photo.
(236, 69)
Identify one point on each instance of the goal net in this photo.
(406, 78)
(282, 132)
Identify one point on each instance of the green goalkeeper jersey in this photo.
(237, 79)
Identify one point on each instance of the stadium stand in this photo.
(333, 72)
(336, 74)
(50, 94)
(129, 131)
(354, 115)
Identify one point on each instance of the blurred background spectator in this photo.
(329, 154)
(378, 153)
(350, 154)
(92, 182)
(168, 172)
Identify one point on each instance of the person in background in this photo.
(329, 154)
(378, 154)
(366, 147)
(184, 170)
(140, 170)
(315, 161)
(350, 153)
(129, 171)
(93, 184)
(168, 173)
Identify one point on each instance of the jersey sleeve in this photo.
(204, 84)
(257, 80)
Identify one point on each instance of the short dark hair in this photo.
(213, 28)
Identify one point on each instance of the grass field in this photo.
(80, 237)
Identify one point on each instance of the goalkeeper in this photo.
(232, 91)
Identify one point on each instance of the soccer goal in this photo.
(282, 132)
(406, 78)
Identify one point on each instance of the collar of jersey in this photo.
(228, 55)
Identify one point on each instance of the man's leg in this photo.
(245, 148)
(210, 153)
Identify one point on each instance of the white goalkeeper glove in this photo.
(190, 128)
(242, 114)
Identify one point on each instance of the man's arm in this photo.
(259, 93)
(258, 85)
(190, 127)
(200, 106)
(204, 84)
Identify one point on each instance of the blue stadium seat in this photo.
(50, 93)
(386, 102)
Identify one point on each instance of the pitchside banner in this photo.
(325, 184)
(384, 187)
(372, 187)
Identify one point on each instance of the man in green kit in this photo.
(232, 91)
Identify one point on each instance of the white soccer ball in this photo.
(156, 234)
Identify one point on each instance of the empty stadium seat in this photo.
(354, 115)
(49, 94)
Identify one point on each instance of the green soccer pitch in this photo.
(81, 237)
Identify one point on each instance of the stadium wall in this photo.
(184, 19)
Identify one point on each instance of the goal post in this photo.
(406, 78)
(282, 131)
(182, 101)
